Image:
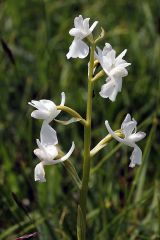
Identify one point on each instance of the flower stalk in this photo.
(87, 141)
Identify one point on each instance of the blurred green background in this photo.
(123, 203)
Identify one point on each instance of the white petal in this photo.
(76, 33)
(121, 55)
(63, 98)
(107, 61)
(78, 21)
(99, 55)
(39, 144)
(102, 53)
(78, 49)
(40, 114)
(107, 64)
(86, 25)
(37, 104)
(118, 82)
(126, 120)
(52, 110)
(111, 55)
(93, 26)
(123, 64)
(65, 157)
(51, 152)
(107, 48)
(119, 72)
(110, 89)
(136, 157)
(39, 173)
(46, 153)
(113, 133)
(48, 104)
(135, 137)
(48, 135)
(129, 128)
(107, 89)
(113, 96)
(41, 154)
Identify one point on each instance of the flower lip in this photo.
(39, 173)
(109, 90)
(78, 49)
(136, 157)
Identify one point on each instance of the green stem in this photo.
(87, 142)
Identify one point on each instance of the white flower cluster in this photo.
(46, 110)
(47, 150)
(115, 69)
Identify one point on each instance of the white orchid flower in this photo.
(47, 151)
(128, 128)
(78, 48)
(115, 68)
(46, 109)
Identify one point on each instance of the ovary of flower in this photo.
(47, 151)
(128, 128)
(115, 68)
(78, 48)
(46, 109)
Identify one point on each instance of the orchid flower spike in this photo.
(115, 68)
(46, 109)
(128, 128)
(78, 48)
(47, 151)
